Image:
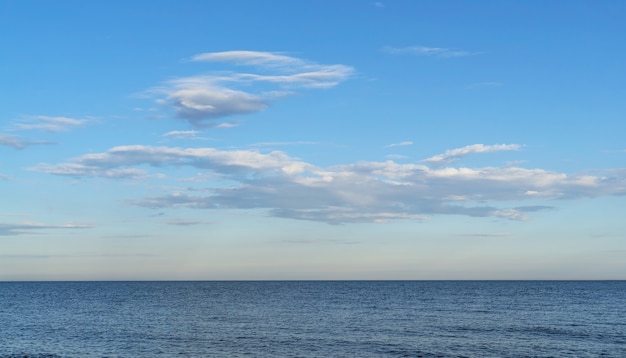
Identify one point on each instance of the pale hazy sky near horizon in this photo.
(208, 140)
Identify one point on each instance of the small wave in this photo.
(411, 353)
(30, 355)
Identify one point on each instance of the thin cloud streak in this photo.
(226, 125)
(30, 227)
(181, 222)
(256, 58)
(18, 143)
(192, 134)
(49, 123)
(401, 144)
(455, 154)
(427, 51)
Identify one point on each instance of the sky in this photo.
(297, 140)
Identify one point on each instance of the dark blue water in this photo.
(313, 319)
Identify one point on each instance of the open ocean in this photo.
(313, 319)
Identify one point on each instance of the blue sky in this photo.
(312, 140)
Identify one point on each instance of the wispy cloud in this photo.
(30, 227)
(117, 162)
(401, 144)
(42, 123)
(181, 222)
(357, 192)
(427, 51)
(208, 97)
(255, 58)
(531, 208)
(227, 125)
(455, 154)
(19, 143)
(48, 123)
(183, 135)
(13, 141)
(283, 70)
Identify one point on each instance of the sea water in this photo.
(313, 319)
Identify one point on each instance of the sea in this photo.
(313, 319)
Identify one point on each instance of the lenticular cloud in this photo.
(203, 98)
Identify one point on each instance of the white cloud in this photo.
(256, 58)
(208, 97)
(12, 141)
(401, 144)
(183, 134)
(427, 51)
(509, 214)
(455, 154)
(358, 192)
(33, 227)
(226, 125)
(48, 123)
(116, 162)
(206, 101)
(81, 170)
(284, 69)
(326, 77)
(17, 142)
(45, 123)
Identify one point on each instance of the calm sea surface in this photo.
(313, 319)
